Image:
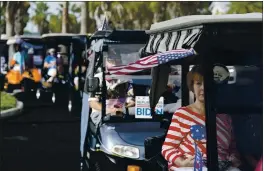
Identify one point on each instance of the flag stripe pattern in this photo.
(151, 61)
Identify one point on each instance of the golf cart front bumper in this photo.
(118, 163)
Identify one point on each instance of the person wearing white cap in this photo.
(50, 64)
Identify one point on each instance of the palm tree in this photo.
(65, 17)
(84, 14)
(10, 8)
(40, 17)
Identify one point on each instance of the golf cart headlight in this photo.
(231, 70)
(126, 151)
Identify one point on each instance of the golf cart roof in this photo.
(66, 38)
(30, 37)
(196, 20)
(121, 35)
(26, 40)
(186, 32)
(62, 35)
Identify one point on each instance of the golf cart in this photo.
(69, 48)
(231, 43)
(117, 143)
(29, 80)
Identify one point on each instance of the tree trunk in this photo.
(65, 18)
(18, 19)
(84, 13)
(9, 16)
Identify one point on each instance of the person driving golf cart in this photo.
(179, 149)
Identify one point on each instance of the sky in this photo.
(53, 6)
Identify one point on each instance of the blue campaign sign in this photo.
(142, 109)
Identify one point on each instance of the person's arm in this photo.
(251, 160)
(14, 60)
(131, 103)
(96, 105)
(173, 139)
(46, 63)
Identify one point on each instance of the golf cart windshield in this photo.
(123, 54)
(139, 90)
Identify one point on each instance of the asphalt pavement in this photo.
(44, 137)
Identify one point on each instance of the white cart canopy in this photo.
(184, 32)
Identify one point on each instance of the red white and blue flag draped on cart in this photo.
(151, 61)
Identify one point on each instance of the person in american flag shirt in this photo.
(185, 144)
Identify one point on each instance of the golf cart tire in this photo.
(100, 162)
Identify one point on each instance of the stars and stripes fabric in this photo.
(198, 133)
(179, 141)
(151, 61)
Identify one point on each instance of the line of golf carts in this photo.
(229, 47)
(69, 52)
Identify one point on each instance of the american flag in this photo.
(151, 61)
(104, 25)
(198, 133)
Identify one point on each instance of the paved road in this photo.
(43, 138)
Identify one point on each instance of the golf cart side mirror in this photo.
(91, 84)
(221, 74)
(105, 48)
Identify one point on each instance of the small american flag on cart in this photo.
(151, 61)
(198, 133)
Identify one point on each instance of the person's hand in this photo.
(185, 161)
(52, 64)
(111, 110)
(114, 110)
(130, 104)
(171, 86)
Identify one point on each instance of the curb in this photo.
(13, 111)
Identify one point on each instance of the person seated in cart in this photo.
(18, 61)
(31, 71)
(17, 66)
(84, 66)
(115, 103)
(50, 65)
(179, 148)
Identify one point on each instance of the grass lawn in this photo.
(7, 101)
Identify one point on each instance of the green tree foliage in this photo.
(21, 17)
(74, 13)
(40, 17)
(55, 22)
(140, 15)
(16, 16)
(123, 15)
(245, 7)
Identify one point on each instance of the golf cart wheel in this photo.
(100, 162)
